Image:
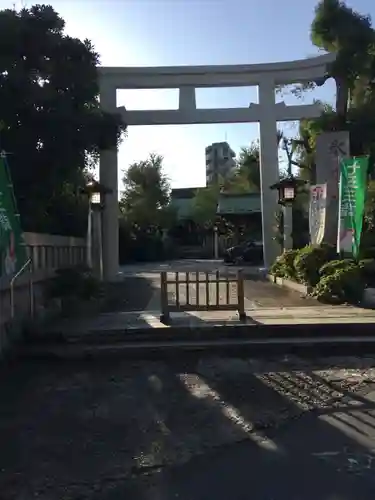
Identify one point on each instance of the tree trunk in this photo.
(342, 95)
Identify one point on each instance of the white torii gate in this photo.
(187, 78)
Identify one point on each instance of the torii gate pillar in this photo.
(108, 172)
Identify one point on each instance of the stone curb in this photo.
(246, 332)
(291, 285)
(367, 301)
(225, 347)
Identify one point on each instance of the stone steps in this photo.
(307, 346)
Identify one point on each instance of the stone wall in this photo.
(47, 253)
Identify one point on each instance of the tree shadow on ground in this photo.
(129, 294)
(188, 318)
(76, 428)
(186, 429)
(303, 440)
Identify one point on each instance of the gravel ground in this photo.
(68, 430)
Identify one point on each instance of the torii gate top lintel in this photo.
(216, 75)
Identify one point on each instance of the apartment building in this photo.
(220, 161)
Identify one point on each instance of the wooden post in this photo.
(164, 316)
(177, 275)
(241, 296)
(217, 288)
(216, 244)
(31, 292)
(35, 257)
(43, 257)
(228, 290)
(207, 290)
(197, 287)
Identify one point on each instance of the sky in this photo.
(193, 32)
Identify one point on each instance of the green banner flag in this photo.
(353, 185)
(12, 246)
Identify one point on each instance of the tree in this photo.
(52, 124)
(247, 175)
(144, 202)
(248, 165)
(205, 204)
(338, 28)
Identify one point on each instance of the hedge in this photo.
(283, 267)
(310, 259)
(333, 279)
(345, 284)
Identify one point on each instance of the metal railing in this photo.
(28, 265)
(201, 292)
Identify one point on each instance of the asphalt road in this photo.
(309, 461)
(266, 429)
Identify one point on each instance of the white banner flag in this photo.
(317, 212)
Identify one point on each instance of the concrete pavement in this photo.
(135, 302)
(272, 314)
(258, 292)
(184, 265)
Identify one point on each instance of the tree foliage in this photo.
(368, 239)
(205, 204)
(145, 200)
(246, 178)
(338, 28)
(52, 124)
(248, 165)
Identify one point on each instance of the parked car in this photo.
(250, 251)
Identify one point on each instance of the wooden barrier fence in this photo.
(189, 286)
(23, 293)
(47, 257)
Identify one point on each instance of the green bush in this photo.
(142, 246)
(335, 265)
(343, 285)
(283, 267)
(368, 271)
(309, 260)
(76, 282)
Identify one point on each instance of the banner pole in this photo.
(339, 212)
